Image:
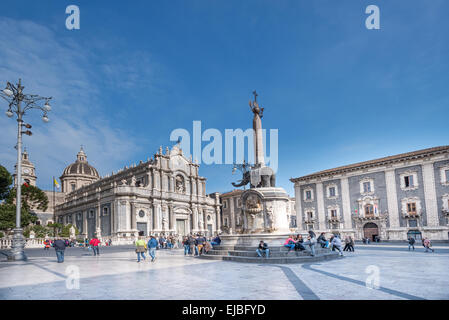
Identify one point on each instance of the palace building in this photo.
(391, 198)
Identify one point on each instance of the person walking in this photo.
(152, 245)
(428, 245)
(347, 243)
(94, 243)
(411, 243)
(185, 243)
(59, 246)
(141, 248)
(47, 244)
(191, 245)
(351, 244)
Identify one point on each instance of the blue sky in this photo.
(337, 92)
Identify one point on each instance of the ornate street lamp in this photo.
(19, 104)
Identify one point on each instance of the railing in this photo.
(5, 243)
(412, 214)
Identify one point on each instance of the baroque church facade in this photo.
(162, 195)
(392, 198)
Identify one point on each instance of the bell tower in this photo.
(28, 170)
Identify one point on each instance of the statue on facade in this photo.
(179, 184)
(133, 181)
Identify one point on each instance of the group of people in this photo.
(198, 244)
(142, 246)
(61, 244)
(296, 242)
(426, 243)
(169, 242)
(51, 243)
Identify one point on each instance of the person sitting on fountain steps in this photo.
(311, 242)
(263, 248)
(299, 242)
(290, 243)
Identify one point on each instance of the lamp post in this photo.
(19, 104)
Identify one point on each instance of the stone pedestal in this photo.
(17, 248)
(265, 211)
(264, 218)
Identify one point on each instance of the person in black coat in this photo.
(59, 246)
(411, 243)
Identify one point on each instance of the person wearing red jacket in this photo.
(94, 244)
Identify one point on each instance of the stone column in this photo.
(153, 179)
(172, 184)
(392, 198)
(195, 220)
(74, 219)
(98, 221)
(320, 204)
(85, 215)
(430, 195)
(346, 201)
(133, 216)
(298, 207)
(172, 219)
(217, 214)
(232, 214)
(156, 211)
(150, 180)
(113, 218)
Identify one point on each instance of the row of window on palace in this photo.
(408, 182)
(369, 210)
(90, 215)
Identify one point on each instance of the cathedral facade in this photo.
(164, 195)
(393, 198)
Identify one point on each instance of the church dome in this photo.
(81, 167)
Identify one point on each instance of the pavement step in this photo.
(272, 254)
(253, 248)
(276, 260)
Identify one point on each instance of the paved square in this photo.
(115, 274)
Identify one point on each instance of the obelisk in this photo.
(257, 131)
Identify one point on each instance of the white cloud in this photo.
(58, 67)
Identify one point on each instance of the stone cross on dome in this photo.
(81, 156)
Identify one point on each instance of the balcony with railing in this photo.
(412, 214)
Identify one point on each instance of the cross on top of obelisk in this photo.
(255, 95)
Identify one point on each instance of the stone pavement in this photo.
(391, 273)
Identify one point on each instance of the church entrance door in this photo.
(209, 230)
(181, 227)
(142, 228)
(370, 231)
